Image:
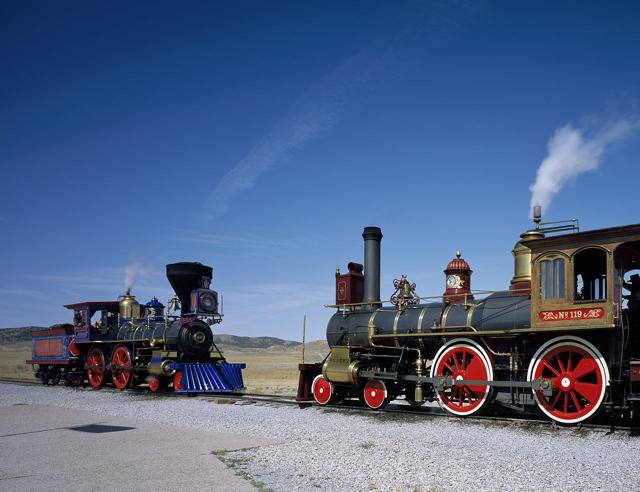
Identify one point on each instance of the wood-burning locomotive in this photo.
(128, 344)
(565, 334)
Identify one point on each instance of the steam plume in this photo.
(133, 272)
(572, 151)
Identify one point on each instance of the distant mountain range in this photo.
(23, 334)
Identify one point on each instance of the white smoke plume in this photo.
(572, 151)
(135, 270)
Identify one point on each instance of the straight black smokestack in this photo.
(372, 237)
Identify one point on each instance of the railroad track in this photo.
(526, 419)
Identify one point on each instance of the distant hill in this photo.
(253, 342)
(17, 335)
(10, 336)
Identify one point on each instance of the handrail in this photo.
(441, 296)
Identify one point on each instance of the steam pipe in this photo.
(372, 237)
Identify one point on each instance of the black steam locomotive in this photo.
(563, 334)
(129, 344)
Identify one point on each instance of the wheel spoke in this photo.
(556, 399)
(448, 367)
(566, 403)
(476, 369)
(575, 401)
(550, 367)
(472, 395)
(569, 361)
(589, 391)
(584, 367)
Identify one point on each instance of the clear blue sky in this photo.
(261, 137)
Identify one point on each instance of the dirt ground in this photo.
(269, 371)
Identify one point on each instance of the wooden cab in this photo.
(578, 279)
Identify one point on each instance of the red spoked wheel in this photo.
(154, 385)
(121, 367)
(177, 381)
(322, 390)
(55, 376)
(580, 378)
(463, 359)
(45, 376)
(73, 379)
(96, 367)
(375, 394)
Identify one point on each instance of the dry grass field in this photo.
(270, 371)
(12, 359)
(275, 371)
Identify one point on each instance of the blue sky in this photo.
(261, 137)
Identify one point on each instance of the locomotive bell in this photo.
(129, 306)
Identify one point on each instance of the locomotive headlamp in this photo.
(207, 302)
(204, 301)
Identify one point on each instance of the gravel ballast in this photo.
(333, 450)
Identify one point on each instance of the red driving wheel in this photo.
(463, 359)
(375, 394)
(154, 385)
(96, 370)
(177, 382)
(121, 367)
(322, 390)
(579, 376)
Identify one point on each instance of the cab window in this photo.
(590, 272)
(552, 278)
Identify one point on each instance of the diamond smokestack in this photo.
(372, 237)
(187, 276)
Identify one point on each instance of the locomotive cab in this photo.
(584, 279)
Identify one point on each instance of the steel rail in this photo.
(526, 419)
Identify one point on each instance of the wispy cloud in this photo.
(310, 117)
(226, 240)
(22, 293)
(99, 281)
(277, 308)
(276, 297)
(573, 151)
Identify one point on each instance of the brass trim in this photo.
(515, 331)
(445, 313)
(395, 327)
(372, 326)
(106, 341)
(419, 327)
(470, 309)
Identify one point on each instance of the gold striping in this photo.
(372, 326)
(506, 333)
(395, 327)
(470, 310)
(419, 327)
(445, 313)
